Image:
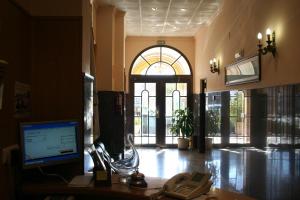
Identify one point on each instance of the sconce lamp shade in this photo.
(259, 36)
(268, 31)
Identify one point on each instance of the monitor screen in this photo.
(49, 143)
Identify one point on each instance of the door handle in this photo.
(157, 113)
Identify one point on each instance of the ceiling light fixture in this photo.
(183, 9)
(154, 9)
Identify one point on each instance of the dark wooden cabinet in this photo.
(111, 121)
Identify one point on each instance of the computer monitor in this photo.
(49, 143)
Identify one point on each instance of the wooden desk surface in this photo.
(121, 191)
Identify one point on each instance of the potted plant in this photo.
(182, 126)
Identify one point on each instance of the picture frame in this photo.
(244, 71)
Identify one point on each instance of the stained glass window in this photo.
(161, 61)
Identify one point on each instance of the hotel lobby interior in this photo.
(112, 68)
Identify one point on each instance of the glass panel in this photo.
(169, 110)
(151, 87)
(233, 106)
(137, 106)
(232, 140)
(137, 140)
(152, 106)
(175, 140)
(152, 55)
(213, 116)
(160, 69)
(233, 92)
(182, 87)
(152, 140)
(139, 66)
(176, 100)
(216, 140)
(169, 55)
(145, 104)
(144, 125)
(183, 102)
(168, 140)
(232, 126)
(138, 88)
(152, 126)
(168, 126)
(170, 87)
(144, 140)
(137, 126)
(239, 120)
(181, 67)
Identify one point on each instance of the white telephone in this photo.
(188, 186)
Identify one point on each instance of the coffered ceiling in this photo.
(165, 17)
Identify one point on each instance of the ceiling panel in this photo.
(165, 17)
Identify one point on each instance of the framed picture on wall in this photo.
(244, 71)
(22, 99)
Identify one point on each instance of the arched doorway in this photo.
(160, 83)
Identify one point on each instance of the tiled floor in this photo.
(270, 174)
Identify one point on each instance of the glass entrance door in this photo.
(145, 113)
(175, 98)
(154, 107)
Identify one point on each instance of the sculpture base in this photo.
(137, 180)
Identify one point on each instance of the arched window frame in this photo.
(160, 60)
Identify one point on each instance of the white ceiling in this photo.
(165, 17)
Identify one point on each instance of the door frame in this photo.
(157, 79)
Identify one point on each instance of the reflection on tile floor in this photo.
(270, 174)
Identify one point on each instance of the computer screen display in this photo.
(49, 143)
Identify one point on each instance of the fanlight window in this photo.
(161, 61)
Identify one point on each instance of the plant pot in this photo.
(183, 143)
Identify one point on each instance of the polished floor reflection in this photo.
(270, 174)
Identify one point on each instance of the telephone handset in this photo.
(188, 186)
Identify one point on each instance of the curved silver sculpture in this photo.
(126, 166)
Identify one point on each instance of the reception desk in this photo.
(34, 190)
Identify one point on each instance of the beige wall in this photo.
(236, 28)
(104, 48)
(134, 45)
(86, 36)
(118, 68)
(109, 48)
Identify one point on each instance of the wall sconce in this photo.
(214, 65)
(271, 45)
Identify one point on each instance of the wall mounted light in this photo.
(214, 65)
(271, 45)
